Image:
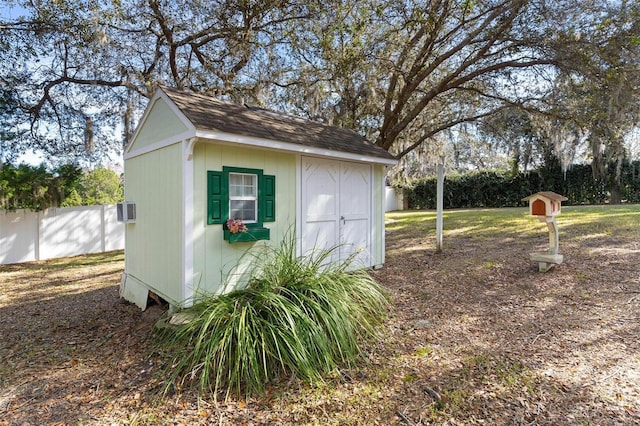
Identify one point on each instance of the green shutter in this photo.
(269, 197)
(218, 195)
(217, 192)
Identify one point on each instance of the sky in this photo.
(11, 11)
(114, 162)
(8, 12)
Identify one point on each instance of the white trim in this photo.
(291, 147)
(231, 139)
(141, 123)
(161, 144)
(372, 217)
(190, 146)
(298, 192)
(187, 220)
(382, 218)
(159, 93)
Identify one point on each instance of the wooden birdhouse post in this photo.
(546, 205)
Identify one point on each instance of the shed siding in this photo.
(153, 244)
(214, 258)
(161, 123)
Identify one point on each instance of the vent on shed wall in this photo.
(126, 212)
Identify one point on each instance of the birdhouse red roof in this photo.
(546, 194)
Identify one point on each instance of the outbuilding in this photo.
(195, 162)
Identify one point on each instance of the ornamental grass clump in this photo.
(298, 316)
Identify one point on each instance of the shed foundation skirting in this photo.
(134, 290)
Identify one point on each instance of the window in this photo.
(239, 193)
(243, 197)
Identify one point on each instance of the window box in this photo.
(252, 235)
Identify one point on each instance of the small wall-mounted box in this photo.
(545, 203)
(126, 212)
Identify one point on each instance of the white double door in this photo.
(336, 208)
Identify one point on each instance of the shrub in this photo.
(503, 189)
(301, 316)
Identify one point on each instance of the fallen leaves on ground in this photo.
(476, 335)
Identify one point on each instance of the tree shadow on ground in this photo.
(68, 353)
(470, 315)
(478, 325)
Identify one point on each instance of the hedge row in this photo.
(502, 189)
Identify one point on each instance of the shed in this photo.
(545, 203)
(195, 161)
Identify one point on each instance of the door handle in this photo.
(343, 220)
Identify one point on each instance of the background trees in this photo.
(598, 90)
(405, 72)
(36, 188)
(414, 77)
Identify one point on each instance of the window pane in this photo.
(243, 209)
(243, 185)
(235, 185)
(250, 185)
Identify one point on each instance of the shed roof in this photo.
(210, 114)
(547, 194)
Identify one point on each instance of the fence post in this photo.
(36, 246)
(103, 230)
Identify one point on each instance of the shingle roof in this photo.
(211, 114)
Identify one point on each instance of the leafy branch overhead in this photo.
(402, 73)
(83, 62)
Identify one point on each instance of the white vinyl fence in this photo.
(393, 199)
(58, 232)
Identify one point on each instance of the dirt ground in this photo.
(475, 335)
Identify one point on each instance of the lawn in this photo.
(475, 335)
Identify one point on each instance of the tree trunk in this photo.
(615, 191)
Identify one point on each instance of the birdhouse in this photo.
(545, 203)
(545, 206)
